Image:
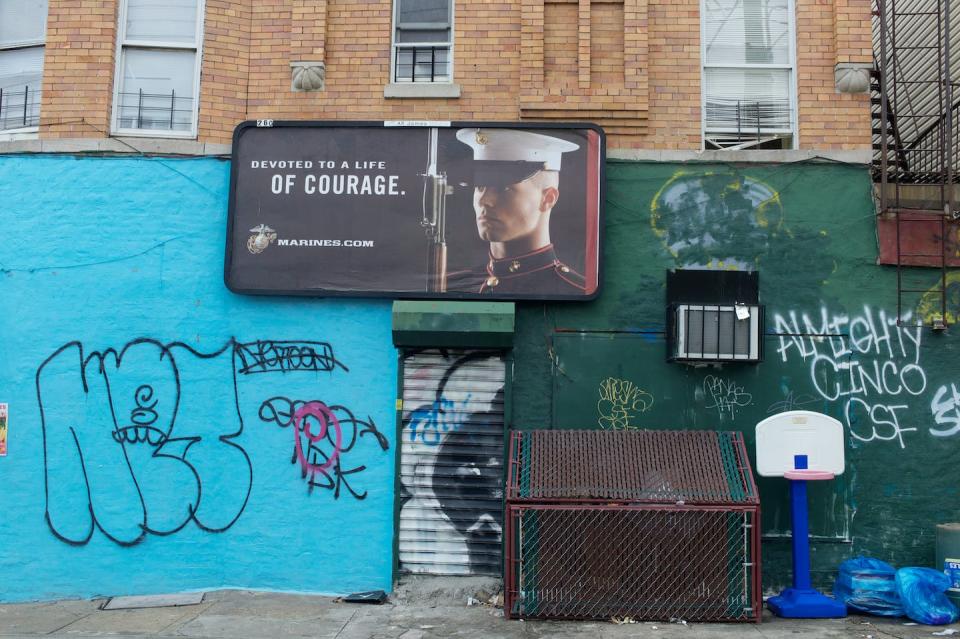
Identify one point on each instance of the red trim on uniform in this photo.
(536, 270)
(593, 212)
(542, 249)
(573, 284)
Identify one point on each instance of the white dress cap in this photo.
(512, 145)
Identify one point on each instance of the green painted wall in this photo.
(832, 345)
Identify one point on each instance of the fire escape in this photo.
(916, 141)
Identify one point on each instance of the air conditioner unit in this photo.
(718, 333)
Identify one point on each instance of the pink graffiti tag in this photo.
(326, 418)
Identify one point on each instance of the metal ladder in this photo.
(906, 74)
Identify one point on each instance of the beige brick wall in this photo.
(632, 65)
(828, 119)
(226, 67)
(674, 76)
(78, 68)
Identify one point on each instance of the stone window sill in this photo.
(421, 90)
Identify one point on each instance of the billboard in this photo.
(425, 210)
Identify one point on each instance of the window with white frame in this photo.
(423, 41)
(158, 67)
(748, 74)
(23, 29)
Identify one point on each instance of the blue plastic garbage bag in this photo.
(868, 585)
(922, 593)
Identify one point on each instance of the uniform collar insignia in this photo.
(517, 265)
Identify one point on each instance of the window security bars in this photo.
(717, 333)
(19, 108)
(747, 124)
(158, 111)
(421, 63)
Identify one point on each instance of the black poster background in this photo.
(396, 265)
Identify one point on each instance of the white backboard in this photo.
(799, 432)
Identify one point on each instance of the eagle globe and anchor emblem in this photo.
(263, 238)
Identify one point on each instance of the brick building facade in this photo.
(632, 66)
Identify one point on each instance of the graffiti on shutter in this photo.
(451, 462)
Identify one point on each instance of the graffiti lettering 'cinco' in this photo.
(324, 436)
(136, 440)
(865, 361)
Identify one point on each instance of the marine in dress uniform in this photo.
(516, 186)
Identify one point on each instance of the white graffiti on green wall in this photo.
(866, 362)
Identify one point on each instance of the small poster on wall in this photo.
(3, 430)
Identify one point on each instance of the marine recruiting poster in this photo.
(427, 210)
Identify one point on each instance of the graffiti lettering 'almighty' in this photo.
(866, 361)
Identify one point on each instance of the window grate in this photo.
(422, 63)
(158, 111)
(19, 108)
(717, 333)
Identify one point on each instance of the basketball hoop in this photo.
(801, 446)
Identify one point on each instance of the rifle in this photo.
(434, 222)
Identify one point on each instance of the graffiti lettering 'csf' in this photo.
(866, 362)
(143, 440)
(323, 437)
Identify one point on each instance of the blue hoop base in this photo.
(794, 603)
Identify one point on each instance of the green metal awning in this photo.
(453, 324)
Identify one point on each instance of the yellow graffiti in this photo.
(767, 211)
(620, 402)
(929, 308)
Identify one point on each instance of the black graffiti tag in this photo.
(323, 451)
(143, 440)
(274, 356)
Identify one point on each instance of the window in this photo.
(23, 28)
(748, 74)
(423, 41)
(157, 76)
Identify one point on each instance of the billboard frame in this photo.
(415, 124)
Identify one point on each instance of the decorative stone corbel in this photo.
(307, 76)
(852, 77)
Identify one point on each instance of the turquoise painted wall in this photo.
(150, 444)
(831, 346)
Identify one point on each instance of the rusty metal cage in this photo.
(653, 525)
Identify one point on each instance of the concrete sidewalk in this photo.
(412, 613)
